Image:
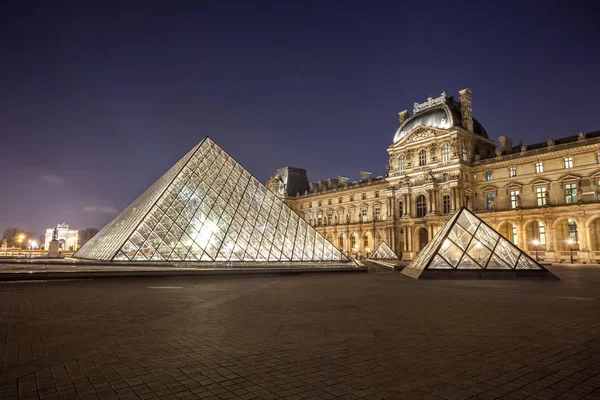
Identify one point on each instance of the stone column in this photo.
(453, 199)
(584, 240)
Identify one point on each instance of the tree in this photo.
(12, 236)
(86, 234)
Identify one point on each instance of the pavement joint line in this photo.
(38, 364)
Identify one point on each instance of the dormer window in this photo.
(446, 152)
(401, 163)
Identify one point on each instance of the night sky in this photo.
(98, 101)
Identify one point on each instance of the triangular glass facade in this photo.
(383, 252)
(468, 243)
(209, 208)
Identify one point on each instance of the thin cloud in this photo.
(104, 210)
(52, 179)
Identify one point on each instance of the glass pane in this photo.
(487, 236)
(451, 252)
(507, 252)
(496, 263)
(479, 252)
(439, 263)
(460, 236)
(468, 263)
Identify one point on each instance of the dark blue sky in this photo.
(98, 101)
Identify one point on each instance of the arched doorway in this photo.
(341, 242)
(595, 238)
(535, 236)
(422, 236)
(367, 242)
(567, 234)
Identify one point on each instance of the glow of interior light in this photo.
(535, 242)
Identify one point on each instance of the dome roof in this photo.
(442, 116)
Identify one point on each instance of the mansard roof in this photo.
(443, 113)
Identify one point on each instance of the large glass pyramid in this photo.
(383, 252)
(208, 208)
(468, 247)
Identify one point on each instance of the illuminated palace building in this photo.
(543, 197)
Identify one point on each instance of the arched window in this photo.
(365, 241)
(401, 163)
(341, 244)
(422, 157)
(445, 152)
(421, 206)
(541, 232)
(353, 242)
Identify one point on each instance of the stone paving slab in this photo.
(352, 336)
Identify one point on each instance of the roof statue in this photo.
(383, 252)
(467, 247)
(208, 208)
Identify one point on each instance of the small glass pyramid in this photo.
(207, 207)
(383, 252)
(468, 243)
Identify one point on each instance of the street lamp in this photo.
(535, 246)
(570, 243)
(20, 240)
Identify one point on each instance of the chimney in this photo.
(466, 110)
(505, 144)
(403, 116)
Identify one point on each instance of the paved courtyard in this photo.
(319, 336)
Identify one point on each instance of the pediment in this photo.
(540, 182)
(595, 175)
(489, 188)
(418, 134)
(514, 186)
(569, 177)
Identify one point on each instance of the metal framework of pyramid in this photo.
(208, 208)
(467, 247)
(383, 252)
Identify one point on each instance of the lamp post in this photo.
(570, 242)
(20, 240)
(535, 246)
(367, 250)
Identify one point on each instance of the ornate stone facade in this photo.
(543, 197)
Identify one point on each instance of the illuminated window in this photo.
(445, 177)
(541, 232)
(422, 157)
(571, 193)
(489, 176)
(365, 241)
(598, 157)
(341, 242)
(514, 235)
(572, 230)
(377, 211)
(539, 167)
(421, 206)
(514, 198)
(513, 172)
(540, 196)
(465, 156)
(446, 152)
(401, 163)
(363, 214)
(568, 162)
(353, 241)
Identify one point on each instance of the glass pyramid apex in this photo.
(208, 208)
(468, 243)
(383, 252)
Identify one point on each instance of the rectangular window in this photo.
(320, 219)
(598, 157)
(377, 193)
(446, 201)
(339, 200)
(571, 193)
(464, 153)
(364, 196)
(329, 201)
(540, 196)
(539, 167)
(514, 235)
(377, 211)
(488, 176)
(319, 203)
(401, 207)
(541, 232)
(515, 198)
(491, 200)
(363, 213)
(351, 197)
(310, 204)
(513, 172)
(569, 162)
